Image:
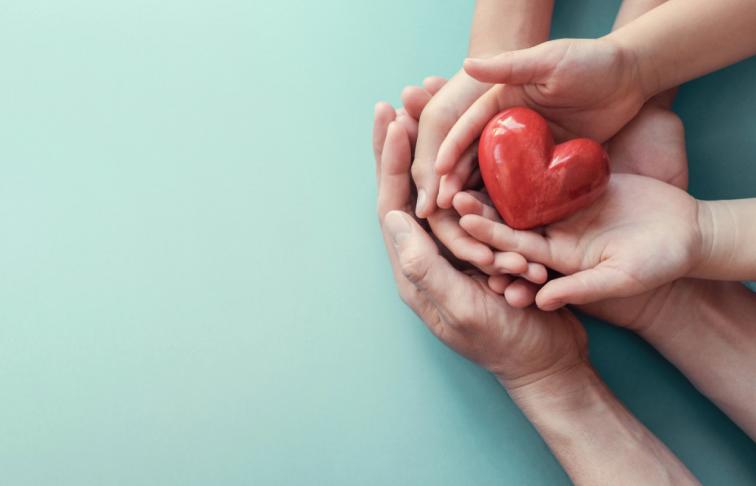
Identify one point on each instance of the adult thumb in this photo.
(419, 259)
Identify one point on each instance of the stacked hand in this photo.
(519, 346)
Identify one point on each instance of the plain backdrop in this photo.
(193, 287)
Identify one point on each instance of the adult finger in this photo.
(471, 123)
(384, 114)
(414, 99)
(420, 262)
(394, 191)
(435, 122)
(409, 124)
(434, 84)
(452, 182)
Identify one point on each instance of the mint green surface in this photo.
(193, 288)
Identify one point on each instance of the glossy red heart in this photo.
(532, 182)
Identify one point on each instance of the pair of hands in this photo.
(610, 250)
(463, 306)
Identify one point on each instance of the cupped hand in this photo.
(436, 119)
(639, 313)
(586, 88)
(444, 223)
(641, 234)
(519, 346)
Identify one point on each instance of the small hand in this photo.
(586, 88)
(641, 234)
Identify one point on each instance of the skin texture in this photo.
(714, 38)
(539, 357)
(445, 222)
(594, 87)
(498, 26)
(585, 88)
(641, 234)
(572, 404)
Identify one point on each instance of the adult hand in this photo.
(444, 223)
(519, 346)
(436, 119)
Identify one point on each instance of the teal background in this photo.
(193, 289)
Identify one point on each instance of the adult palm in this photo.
(519, 346)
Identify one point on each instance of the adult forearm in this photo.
(708, 330)
(728, 232)
(683, 39)
(504, 25)
(593, 436)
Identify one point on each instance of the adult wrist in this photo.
(572, 388)
(593, 436)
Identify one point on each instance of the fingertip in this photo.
(517, 297)
(510, 262)
(537, 273)
(392, 131)
(446, 191)
(547, 302)
(422, 203)
(441, 166)
(484, 256)
(471, 222)
(498, 283)
(471, 64)
(466, 221)
(382, 108)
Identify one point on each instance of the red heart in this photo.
(532, 182)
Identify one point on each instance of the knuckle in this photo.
(419, 169)
(414, 267)
(465, 317)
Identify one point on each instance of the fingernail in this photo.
(552, 306)
(422, 196)
(397, 226)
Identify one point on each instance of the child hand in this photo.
(640, 235)
(586, 88)
(510, 275)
